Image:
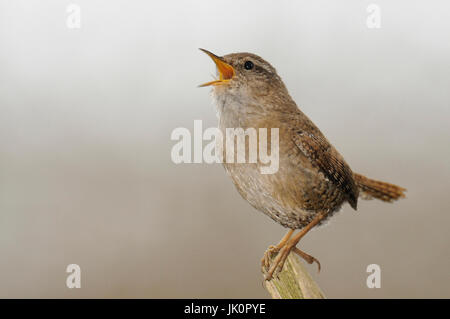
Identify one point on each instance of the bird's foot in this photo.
(286, 245)
(273, 250)
(273, 268)
(268, 255)
(308, 258)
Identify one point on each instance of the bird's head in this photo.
(245, 75)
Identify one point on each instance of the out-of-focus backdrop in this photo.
(86, 115)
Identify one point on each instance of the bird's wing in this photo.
(324, 156)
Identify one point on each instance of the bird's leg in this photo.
(279, 261)
(265, 261)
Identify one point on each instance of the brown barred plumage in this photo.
(370, 188)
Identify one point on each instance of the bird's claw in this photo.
(308, 258)
(274, 268)
(268, 255)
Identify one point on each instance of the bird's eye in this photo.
(248, 65)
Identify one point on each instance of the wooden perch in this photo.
(293, 282)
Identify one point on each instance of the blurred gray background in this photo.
(85, 121)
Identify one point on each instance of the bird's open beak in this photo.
(226, 71)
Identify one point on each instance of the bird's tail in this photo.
(370, 188)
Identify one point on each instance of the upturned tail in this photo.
(370, 188)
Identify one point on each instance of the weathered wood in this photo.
(293, 282)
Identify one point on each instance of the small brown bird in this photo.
(313, 179)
